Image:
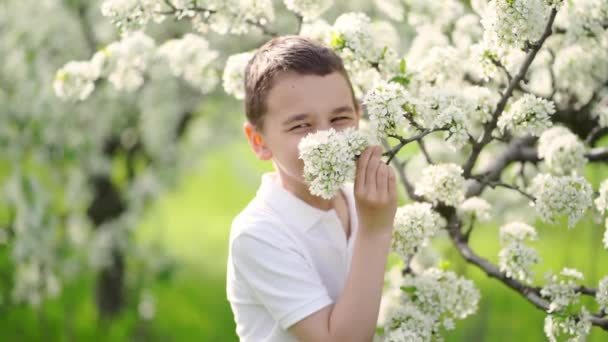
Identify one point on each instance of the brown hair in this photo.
(286, 53)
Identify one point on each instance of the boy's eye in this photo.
(340, 118)
(298, 126)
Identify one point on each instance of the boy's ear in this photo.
(256, 142)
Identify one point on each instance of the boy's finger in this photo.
(392, 183)
(361, 168)
(372, 168)
(382, 179)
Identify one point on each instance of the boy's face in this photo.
(296, 106)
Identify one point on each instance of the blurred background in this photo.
(116, 211)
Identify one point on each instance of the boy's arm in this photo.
(353, 317)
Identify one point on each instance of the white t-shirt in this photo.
(287, 260)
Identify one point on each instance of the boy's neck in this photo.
(301, 191)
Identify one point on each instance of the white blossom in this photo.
(354, 31)
(329, 159)
(233, 16)
(562, 151)
(528, 115)
(446, 109)
(577, 326)
(514, 22)
(391, 8)
(128, 60)
(408, 323)
(76, 80)
(602, 293)
(475, 208)
(234, 74)
(516, 258)
(560, 289)
(467, 31)
(318, 30)
(558, 196)
(580, 69)
(582, 18)
(308, 9)
(442, 183)
(600, 111)
(605, 240)
(129, 14)
(190, 58)
(147, 305)
(484, 103)
(601, 202)
(414, 224)
(441, 293)
(386, 106)
(441, 14)
(430, 300)
(441, 64)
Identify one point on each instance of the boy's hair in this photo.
(286, 53)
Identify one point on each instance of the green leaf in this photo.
(444, 265)
(408, 289)
(402, 66)
(404, 81)
(337, 41)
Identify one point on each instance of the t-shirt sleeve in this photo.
(280, 277)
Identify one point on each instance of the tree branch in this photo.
(531, 294)
(175, 10)
(515, 151)
(489, 127)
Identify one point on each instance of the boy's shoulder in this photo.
(258, 220)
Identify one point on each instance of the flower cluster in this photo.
(128, 59)
(443, 108)
(329, 159)
(353, 31)
(408, 323)
(484, 101)
(576, 327)
(601, 202)
(414, 225)
(606, 235)
(602, 293)
(577, 69)
(234, 74)
(230, 16)
(512, 23)
(561, 195)
(442, 63)
(515, 258)
(122, 62)
(308, 9)
(583, 19)
(432, 299)
(528, 115)
(386, 105)
(76, 80)
(442, 183)
(562, 151)
(130, 14)
(475, 208)
(190, 58)
(367, 59)
(561, 289)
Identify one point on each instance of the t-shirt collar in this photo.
(287, 205)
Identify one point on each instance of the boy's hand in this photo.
(375, 192)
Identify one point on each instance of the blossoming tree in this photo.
(507, 94)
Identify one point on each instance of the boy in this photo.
(301, 267)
